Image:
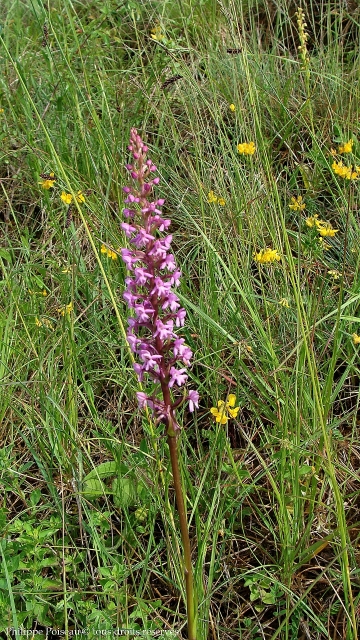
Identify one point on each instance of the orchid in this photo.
(150, 292)
(151, 334)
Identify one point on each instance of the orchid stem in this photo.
(188, 570)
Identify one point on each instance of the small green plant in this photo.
(264, 589)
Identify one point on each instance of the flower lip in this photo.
(193, 399)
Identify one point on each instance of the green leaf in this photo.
(305, 470)
(125, 492)
(35, 497)
(106, 470)
(48, 583)
(143, 446)
(268, 598)
(5, 255)
(49, 562)
(94, 488)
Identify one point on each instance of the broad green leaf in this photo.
(106, 470)
(125, 492)
(94, 488)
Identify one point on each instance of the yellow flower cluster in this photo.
(312, 221)
(246, 148)
(232, 107)
(267, 256)
(48, 181)
(356, 338)
(297, 204)
(66, 310)
(349, 173)
(44, 322)
(334, 273)
(212, 198)
(324, 228)
(284, 303)
(339, 168)
(110, 254)
(346, 147)
(225, 410)
(156, 33)
(67, 197)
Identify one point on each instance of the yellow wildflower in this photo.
(334, 273)
(267, 256)
(66, 197)
(1, 110)
(212, 197)
(110, 254)
(284, 303)
(225, 410)
(345, 172)
(48, 182)
(326, 230)
(297, 204)
(67, 309)
(232, 107)
(356, 338)
(246, 148)
(156, 33)
(313, 221)
(346, 147)
(44, 322)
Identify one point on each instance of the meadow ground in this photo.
(267, 237)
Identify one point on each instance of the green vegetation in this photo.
(267, 237)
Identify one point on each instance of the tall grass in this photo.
(90, 538)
